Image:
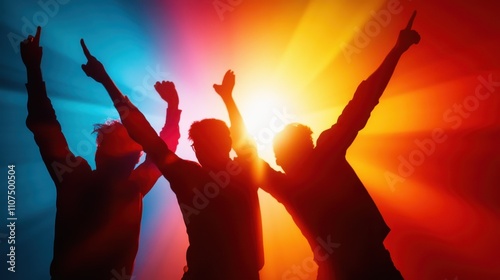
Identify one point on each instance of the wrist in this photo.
(227, 98)
(399, 49)
(34, 74)
(106, 80)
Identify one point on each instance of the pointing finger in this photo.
(410, 22)
(37, 35)
(85, 49)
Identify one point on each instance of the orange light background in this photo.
(444, 216)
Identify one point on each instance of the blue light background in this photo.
(120, 34)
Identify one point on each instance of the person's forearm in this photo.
(34, 75)
(381, 77)
(39, 105)
(170, 132)
(47, 132)
(146, 175)
(113, 91)
(238, 129)
(40, 108)
(134, 121)
(356, 114)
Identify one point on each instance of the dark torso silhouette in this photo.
(222, 217)
(97, 226)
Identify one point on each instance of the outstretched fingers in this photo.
(229, 78)
(229, 75)
(157, 86)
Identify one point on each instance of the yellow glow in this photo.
(259, 112)
(317, 39)
(284, 245)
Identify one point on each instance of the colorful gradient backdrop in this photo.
(294, 61)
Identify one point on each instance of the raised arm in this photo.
(381, 77)
(147, 173)
(42, 120)
(356, 114)
(241, 143)
(170, 132)
(268, 179)
(134, 121)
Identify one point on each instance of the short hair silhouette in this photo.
(114, 143)
(296, 133)
(292, 144)
(210, 133)
(114, 133)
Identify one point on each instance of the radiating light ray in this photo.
(312, 47)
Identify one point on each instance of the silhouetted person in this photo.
(322, 192)
(98, 211)
(218, 199)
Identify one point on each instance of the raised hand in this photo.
(225, 90)
(168, 93)
(407, 36)
(94, 67)
(31, 52)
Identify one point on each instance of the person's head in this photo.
(292, 146)
(116, 151)
(211, 141)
